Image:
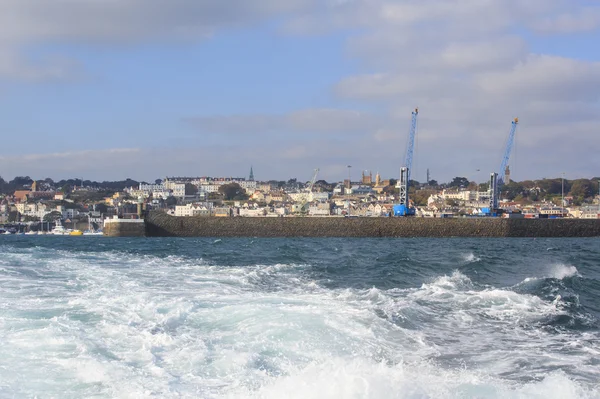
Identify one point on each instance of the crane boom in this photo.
(402, 209)
(507, 150)
(411, 142)
(497, 178)
(313, 180)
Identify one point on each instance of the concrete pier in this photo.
(124, 228)
(159, 224)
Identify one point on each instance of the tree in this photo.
(21, 181)
(433, 183)
(420, 197)
(158, 181)
(52, 216)
(552, 186)
(233, 191)
(170, 201)
(190, 189)
(581, 189)
(459, 182)
(451, 202)
(414, 183)
(393, 182)
(391, 190)
(13, 216)
(512, 190)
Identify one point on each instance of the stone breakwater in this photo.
(159, 224)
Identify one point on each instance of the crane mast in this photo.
(313, 180)
(403, 183)
(497, 178)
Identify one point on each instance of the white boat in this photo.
(31, 233)
(92, 233)
(59, 230)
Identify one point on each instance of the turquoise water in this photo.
(299, 318)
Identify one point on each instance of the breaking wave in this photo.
(111, 323)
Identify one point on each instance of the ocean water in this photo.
(95, 317)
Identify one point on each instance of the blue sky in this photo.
(149, 88)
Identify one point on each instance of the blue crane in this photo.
(402, 208)
(507, 150)
(497, 178)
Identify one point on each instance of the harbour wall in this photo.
(159, 224)
(125, 228)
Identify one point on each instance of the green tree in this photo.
(170, 201)
(420, 197)
(52, 216)
(21, 181)
(233, 191)
(391, 190)
(553, 186)
(13, 216)
(581, 189)
(459, 182)
(190, 189)
(451, 202)
(511, 190)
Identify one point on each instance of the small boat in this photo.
(31, 233)
(93, 233)
(59, 229)
(76, 233)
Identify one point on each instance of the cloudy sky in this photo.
(109, 89)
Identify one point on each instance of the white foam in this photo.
(561, 271)
(131, 326)
(470, 258)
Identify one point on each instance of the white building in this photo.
(192, 210)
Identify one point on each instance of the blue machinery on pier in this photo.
(403, 208)
(497, 178)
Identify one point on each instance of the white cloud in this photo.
(583, 20)
(543, 77)
(465, 63)
(118, 20)
(31, 22)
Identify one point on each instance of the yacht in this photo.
(59, 229)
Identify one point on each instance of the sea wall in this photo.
(159, 224)
(124, 228)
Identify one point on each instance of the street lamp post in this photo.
(562, 194)
(349, 188)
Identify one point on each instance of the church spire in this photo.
(251, 174)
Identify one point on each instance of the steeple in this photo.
(251, 174)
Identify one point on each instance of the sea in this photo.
(98, 317)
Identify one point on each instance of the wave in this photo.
(470, 258)
(360, 378)
(115, 323)
(561, 271)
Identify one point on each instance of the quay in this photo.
(159, 224)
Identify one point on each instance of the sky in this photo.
(144, 89)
